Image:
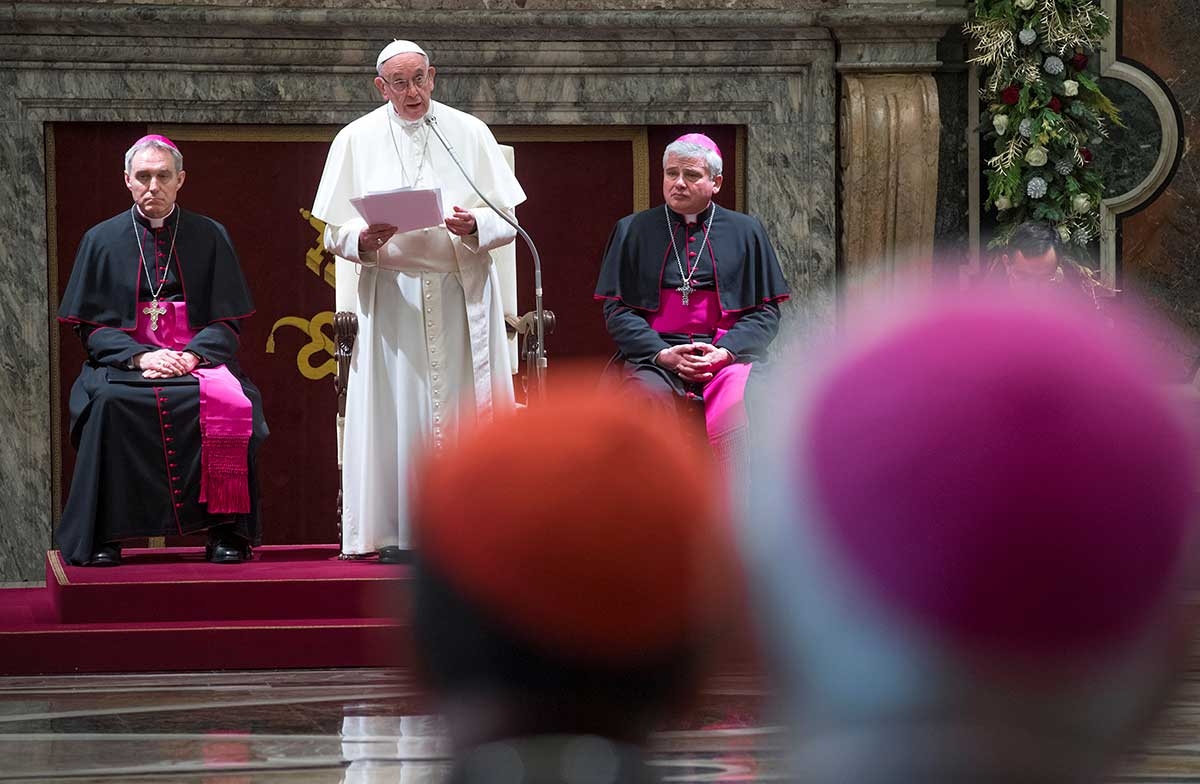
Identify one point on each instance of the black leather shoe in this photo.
(224, 553)
(227, 548)
(109, 554)
(394, 555)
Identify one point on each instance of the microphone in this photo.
(536, 354)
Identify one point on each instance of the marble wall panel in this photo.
(1132, 150)
(1160, 259)
(24, 341)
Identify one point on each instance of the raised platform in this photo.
(164, 610)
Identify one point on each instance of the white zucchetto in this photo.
(395, 48)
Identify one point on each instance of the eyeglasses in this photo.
(403, 85)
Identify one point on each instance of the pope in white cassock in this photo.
(431, 352)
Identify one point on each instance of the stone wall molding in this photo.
(352, 20)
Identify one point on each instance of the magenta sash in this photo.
(725, 394)
(226, 415)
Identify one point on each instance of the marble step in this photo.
(281, 582)
(55, 649)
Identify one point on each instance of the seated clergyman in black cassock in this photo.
(164, 422)
(691, 295)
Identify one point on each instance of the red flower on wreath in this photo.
(1055, 105)
(1086, 154)
(1079, 62)
(1011, 95)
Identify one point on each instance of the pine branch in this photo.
(1029, 72)
(1053, 31)
(1010, 156)
(995, 43)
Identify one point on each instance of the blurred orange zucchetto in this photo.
(582, 526)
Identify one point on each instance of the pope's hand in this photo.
(373, 237)
(462, 222)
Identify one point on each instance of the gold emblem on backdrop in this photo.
(317, 260)
(320, 327)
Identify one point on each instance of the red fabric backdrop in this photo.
(256, 181)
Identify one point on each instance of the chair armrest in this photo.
(345, 332)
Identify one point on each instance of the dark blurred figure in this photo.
(1033, 264)
(573, 566)
(969, 547)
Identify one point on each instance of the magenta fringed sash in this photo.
(226, 415)
(724, 395)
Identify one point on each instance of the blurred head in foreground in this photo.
(968, 546)
(572, 565)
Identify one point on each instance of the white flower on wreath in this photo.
(1036, 188)
(1026, 128)
(1054, 65)
(1070, 88)
(1003, 203)
(1064, 233)
(1000, 123)
(1024, 5)
(1027, 36)
(1081, 203)
(1036, 156)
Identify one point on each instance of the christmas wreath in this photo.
(1045, 112)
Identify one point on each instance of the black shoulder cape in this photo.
(748, 273)
(103, 288)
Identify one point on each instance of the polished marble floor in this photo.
(305, 726)
(368, 726)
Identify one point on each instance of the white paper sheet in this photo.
(407, 209)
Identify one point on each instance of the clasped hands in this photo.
(375, 236)
(165, 363)
(696, 362)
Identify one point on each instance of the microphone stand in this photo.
(539, 355)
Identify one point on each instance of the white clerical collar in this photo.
(692, 218)
(408, 125)
(155, 223)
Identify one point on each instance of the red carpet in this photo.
(163, 610)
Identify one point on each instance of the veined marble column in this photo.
(889, 135)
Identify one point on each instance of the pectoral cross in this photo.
(154, 310)
(684, 290)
